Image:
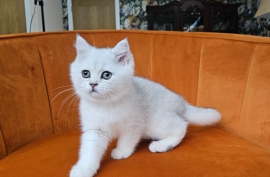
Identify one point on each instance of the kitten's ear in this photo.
(81, 45)
(121, 51)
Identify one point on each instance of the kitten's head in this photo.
(103, 74)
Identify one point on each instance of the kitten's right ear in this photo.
(81, 45)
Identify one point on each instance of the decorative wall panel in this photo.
(133, 15)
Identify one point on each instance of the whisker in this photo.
(77, 98)
(112, 98)
(61, 87)
(121, 97)
(61, 93)
(64, 101)
(73, 99)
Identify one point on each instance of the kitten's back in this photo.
(159, 100)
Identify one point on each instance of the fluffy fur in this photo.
(116, 104)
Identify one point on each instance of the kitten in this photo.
(116, 104)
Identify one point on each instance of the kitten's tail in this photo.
(201, 116)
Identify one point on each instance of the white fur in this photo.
(125, 107)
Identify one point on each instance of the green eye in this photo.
(86, 74)
(106, 75)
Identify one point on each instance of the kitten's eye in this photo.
(86, 74)
(106, 75)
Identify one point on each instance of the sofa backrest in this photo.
(25, 113)
(224, 71)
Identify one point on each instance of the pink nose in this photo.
(93, 85)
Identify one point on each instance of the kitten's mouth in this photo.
(93, 91)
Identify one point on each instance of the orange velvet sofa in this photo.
(39, 124)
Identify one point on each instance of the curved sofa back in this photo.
(225, 71)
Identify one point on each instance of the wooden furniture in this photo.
(12, 17)
(212, 16)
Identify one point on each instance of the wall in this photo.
(247, 23)
(133, 15)
(67, 15)
(53, 15)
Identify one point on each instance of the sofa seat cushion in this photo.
(207, 152)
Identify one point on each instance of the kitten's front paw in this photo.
(120, 154)
(81, 171)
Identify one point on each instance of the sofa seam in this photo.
(92, 38)
(46, 85)
(244, 94)
(151, 56)
(5, 145)
(200, 63)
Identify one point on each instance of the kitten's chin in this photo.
(95, 95)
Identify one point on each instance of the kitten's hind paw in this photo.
(120, 154)
(159, 146)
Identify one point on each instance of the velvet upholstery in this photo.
(39, 123)
(25, 112)
(208, 152)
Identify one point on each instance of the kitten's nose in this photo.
(93, 85)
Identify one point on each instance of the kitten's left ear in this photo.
(122, 51)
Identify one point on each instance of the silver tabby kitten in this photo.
(116, 104)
